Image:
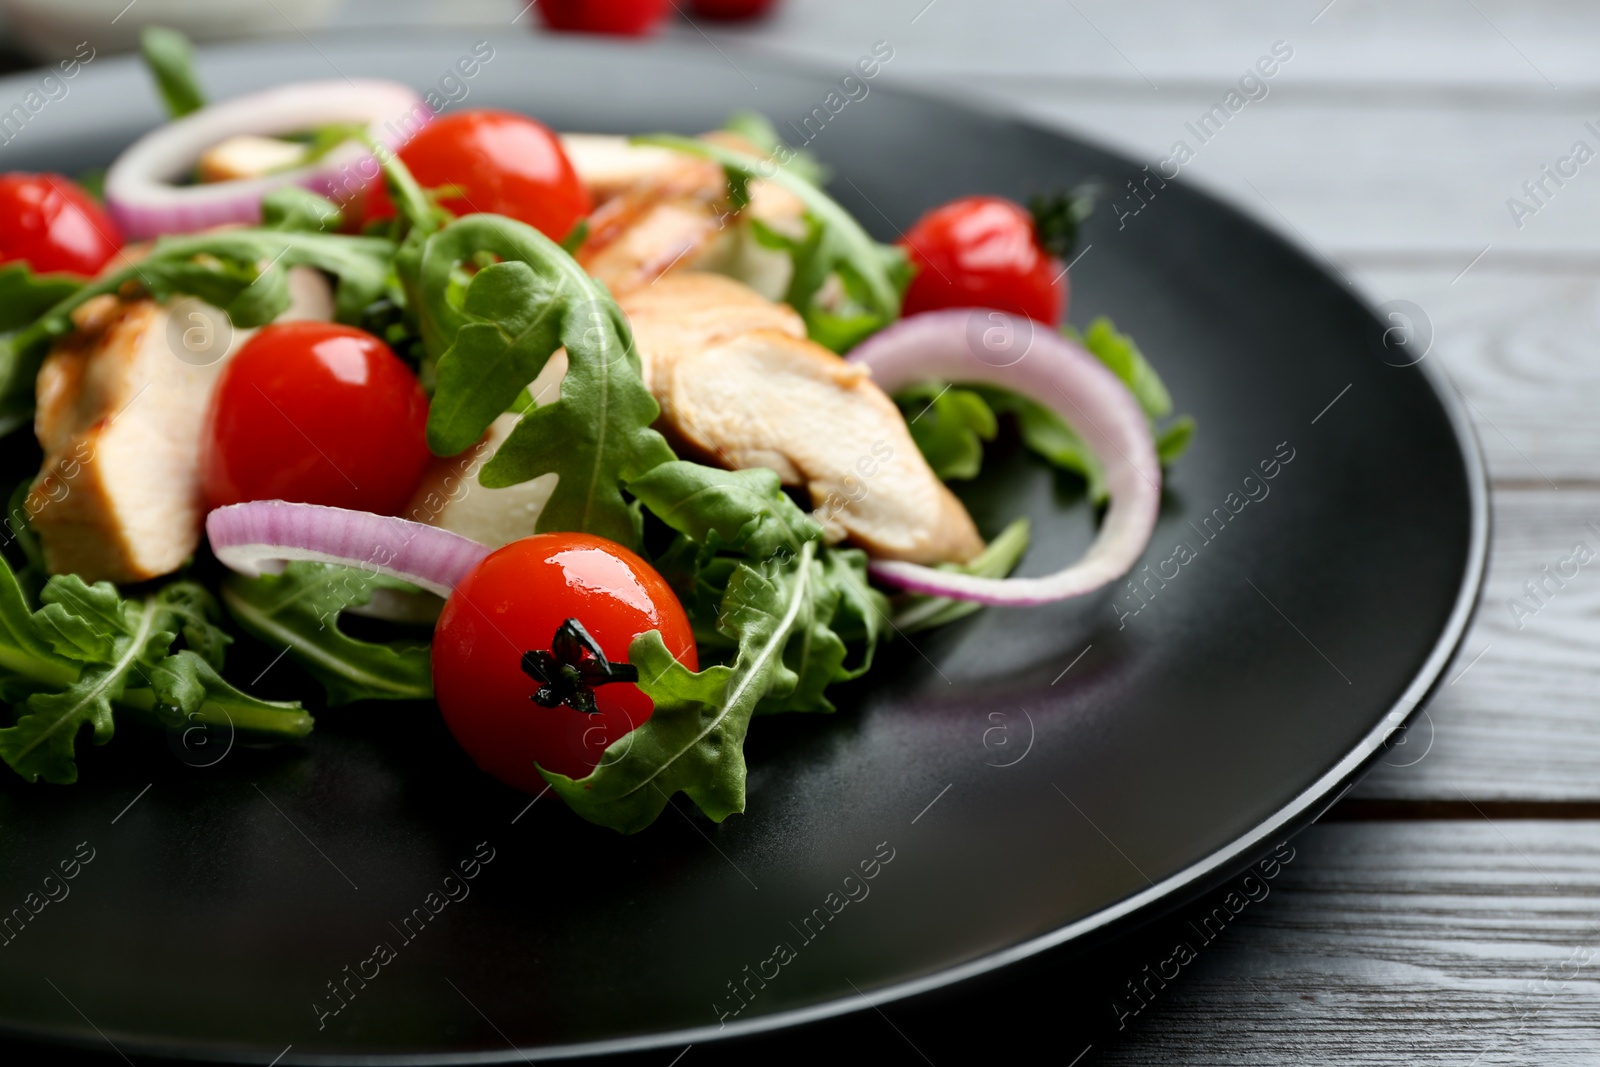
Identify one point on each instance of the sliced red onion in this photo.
(261, 536)
(975, 345)
(141, 190)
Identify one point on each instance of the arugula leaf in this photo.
(492, 337)
(745, 511)
(949, 425)
(873, 276)
(1050, 437)
(170, 59)
(1118, 352)
(1174, 440)
(915, 612)
(295, 210)
(299, 610)
(756, 128)
(693, 741)
(24, 296)
(87, 651)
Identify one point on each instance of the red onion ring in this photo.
(977, 345)
(143, 200)
(259, 537)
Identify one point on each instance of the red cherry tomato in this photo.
(502, 164)
(508, 612)
(982, 251)
(51, 224)
(315, 413)
(629, 18)
(731, 10)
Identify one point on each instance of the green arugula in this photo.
(299, 610)
(493, 335)
(756, 128)
(951, 433)
(88, 652)
(170, 59)
(873, 276)
(24, 297)
(950, 426)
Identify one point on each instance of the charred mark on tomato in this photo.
(574, 667)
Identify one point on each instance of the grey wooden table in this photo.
(1448, 910)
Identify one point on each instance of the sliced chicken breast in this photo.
(678, 217)
(120, 407)
(765, 398)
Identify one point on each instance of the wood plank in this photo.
(1519, 345)
(1423, 943)
(1516, 719)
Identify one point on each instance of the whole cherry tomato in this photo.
(51, 224)
(984, 251)
(315, 413)
(530, 656)
(731, 10)
(629, 18)
(500, 163)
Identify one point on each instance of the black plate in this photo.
(1034, 774)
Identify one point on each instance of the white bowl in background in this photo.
(52, 29)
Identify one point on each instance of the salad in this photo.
(608, 445)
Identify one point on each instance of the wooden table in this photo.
(1448, 910)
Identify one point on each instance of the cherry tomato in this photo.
(51, 224)
(629, 18)
(315, 413)
(524, 644)
(731, 10)
(982, 251)
(502, 164)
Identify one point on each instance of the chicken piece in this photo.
(687, 311)
(249, 156)
(119, 417)
(451, 497)
(609, 164)
(679, 218)
(765, 398)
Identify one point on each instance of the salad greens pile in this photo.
(481, 304)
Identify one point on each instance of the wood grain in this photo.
(1420, 943)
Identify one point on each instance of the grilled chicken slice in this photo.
(451, 497)
(765, 398)
(678, 217)
(688, 311)
(119, 418)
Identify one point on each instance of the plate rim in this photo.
(1287, 820)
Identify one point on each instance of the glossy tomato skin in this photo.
(503, 164)
(628, 18)
(513, 602)
(51, 224)
(981, 251)
(315, 413)
(731, 10)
